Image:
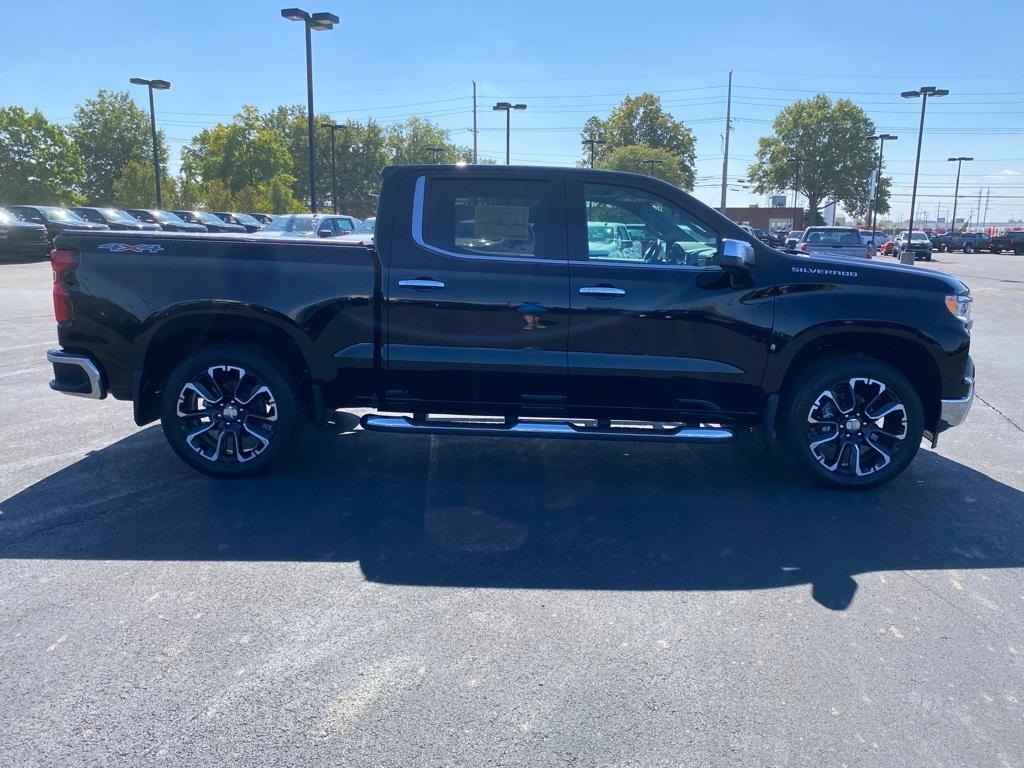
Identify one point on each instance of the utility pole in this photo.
(592, 143)
(474, 123)
(956, 193)
(725, 156)
(984, 220)
(978, 217)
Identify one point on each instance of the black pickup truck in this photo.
(489, 306)
(1011, 240)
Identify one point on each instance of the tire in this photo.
(240, 410)
(928, 257)
(813, 407)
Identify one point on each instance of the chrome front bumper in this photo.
(76, 375)
(954, 412)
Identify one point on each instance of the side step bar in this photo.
(563, 429)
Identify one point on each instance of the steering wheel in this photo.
(677, 254)
(651, 254)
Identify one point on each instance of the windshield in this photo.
(116, 214)
(293, 223)
(245, 218)
(208, 218)
(366, 228)
(599, 233)
(60, 214)
(166, 217)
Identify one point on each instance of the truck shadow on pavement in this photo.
(539, 514)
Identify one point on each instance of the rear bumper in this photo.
(954, 412)
(76, 375)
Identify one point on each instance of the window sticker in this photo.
(502, 222)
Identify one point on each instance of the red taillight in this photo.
(63, 262)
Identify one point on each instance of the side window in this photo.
(344, 226)
(632, 226)
(484, 217)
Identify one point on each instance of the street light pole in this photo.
(592, 143)
(160, 85)
(923, 93)
(320, 22)
(507, 107)
(434, 152)
(796, 187)
(959, 162)
(333, 127)
(882, 138)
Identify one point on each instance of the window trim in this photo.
(418, 203)
(577, 191)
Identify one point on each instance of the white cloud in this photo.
(1008, 172)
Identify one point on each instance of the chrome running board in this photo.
(582, 428)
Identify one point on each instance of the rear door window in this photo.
(487, 217)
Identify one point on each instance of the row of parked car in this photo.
(28, 231)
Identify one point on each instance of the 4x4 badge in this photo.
(133, 248)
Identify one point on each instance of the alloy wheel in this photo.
(856, 427)
(227, 414)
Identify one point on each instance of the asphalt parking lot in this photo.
(406, 600)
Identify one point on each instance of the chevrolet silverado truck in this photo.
(486, 307)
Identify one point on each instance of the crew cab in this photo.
(487, 307)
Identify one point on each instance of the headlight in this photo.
(960, 306)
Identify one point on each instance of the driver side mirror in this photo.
(736, 255)
(325, 232)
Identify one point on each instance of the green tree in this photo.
(859, 206)
(135, 187)
(216, 195)
(834, 140)
(410, 142)
(241, 153)
(641, 120)
(640, 158)
(38, 162)
(111, 132)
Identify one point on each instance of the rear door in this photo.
(477, 290)
(664, 329)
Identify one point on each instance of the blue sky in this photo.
(566, 60)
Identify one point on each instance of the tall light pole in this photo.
(881, 139)
(593, 144)
(158, 85)
(319, 22)
(959, 162)
(923, 93)
(333, 128)
(507, 107)
(796, 186)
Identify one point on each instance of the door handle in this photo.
(607, 291)
(421, 283)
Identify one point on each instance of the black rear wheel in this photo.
(231, 411)
(852, 422)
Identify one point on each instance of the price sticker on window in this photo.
(502, 222)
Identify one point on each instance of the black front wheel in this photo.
(231, 411)
(852, 422)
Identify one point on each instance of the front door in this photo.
(657, 325)
(477, 292)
